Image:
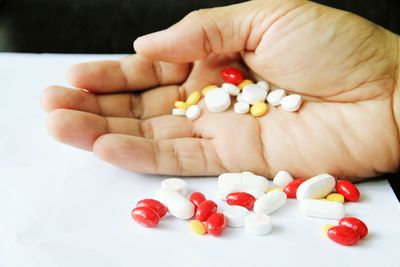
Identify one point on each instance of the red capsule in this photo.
(356, 224)
(348, 190)
(156, 205)
(145, 216)
(232, 75)
(241, 199)
(205, 209)
(291, 188)
(197, 198)
(216, 224)
(343, 235)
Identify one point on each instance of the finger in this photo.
(128, 74)
(182, 156)
(81, 129)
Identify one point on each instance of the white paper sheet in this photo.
(60, 206)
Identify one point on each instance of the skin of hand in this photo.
(346, 67)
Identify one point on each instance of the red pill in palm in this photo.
(232, 75)
(348, 190)
(156, 205)
(241, 199)
(356, 224)
(145, 216)
(343, 235)
(216, 224)
(205, 209)
(197, 198)
(291, 188)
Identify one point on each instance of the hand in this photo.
(344, 66)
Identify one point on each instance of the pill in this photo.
(241, 107)
(326, 228)
(240, 199)
(239, 98)
(156, 205)
(258, 109)
(232, 75)
(216, 224)
(235, 215)
(336, 197)
(291, 103)
(145, 216)
(244, 83)
(178, 112)
(230, 89)
(274, 97)
(322, 209)
(193, 112)
(193, 98)
(242, 182)
(356, 224)
(270, 202)
(178, 206)
(264, 84)
(251, 181)
(343, 235)
(291, 188)
(205, 209)
(197, 198)
(197, 227)
(181, 104)
(257, 224)
(348, 190)
(316, 187)
(175, 184)
(206, 89)
(282, 179)
(253, 93)
(229, 180)
(217, 100)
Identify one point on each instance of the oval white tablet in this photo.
(316, 187)
(175, 184)
(282, 179)
(270, 202)
(257, 224)
(193, 112)
(178, 206)
(217, 100)
(274, 97)
(265, 85)
(322, 209)
(231, 88)
(253, 93)
(291, 103)
(241, 107)
(178, 112)
(235, 215)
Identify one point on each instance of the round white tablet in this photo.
(291, 103)
(174, 184)
(241, 107)
(265, 85)
(274, 97)
(257, 224)
(193, 112)
(217, 100)
(254, 93)
(282, 179)
(178, 112)
(235, 215)
(230, 88)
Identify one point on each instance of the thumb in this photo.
(217, 30)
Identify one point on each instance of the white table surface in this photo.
(60, 206)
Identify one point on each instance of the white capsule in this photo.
(217, 100)
(265, 85)
(178, 112)
(193, 112)
(274, 97)
(231, 88)
(270, 202)
(178, 206)
(282, 179)
(175, 184)
(322, 209)
(253, 93)
(257, 224)
(316, 187)
(291, 103)
(241, 107)
(235, 215)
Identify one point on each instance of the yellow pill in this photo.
(181, 104)
(197, 227)
(258, 109)
(208, 88)
(326, 228)
(193, 98)
(244, 83)
(335, 197)
(273, 188)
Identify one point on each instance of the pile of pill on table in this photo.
(250, 201)
(250, 97)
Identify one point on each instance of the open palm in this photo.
(343, 65)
